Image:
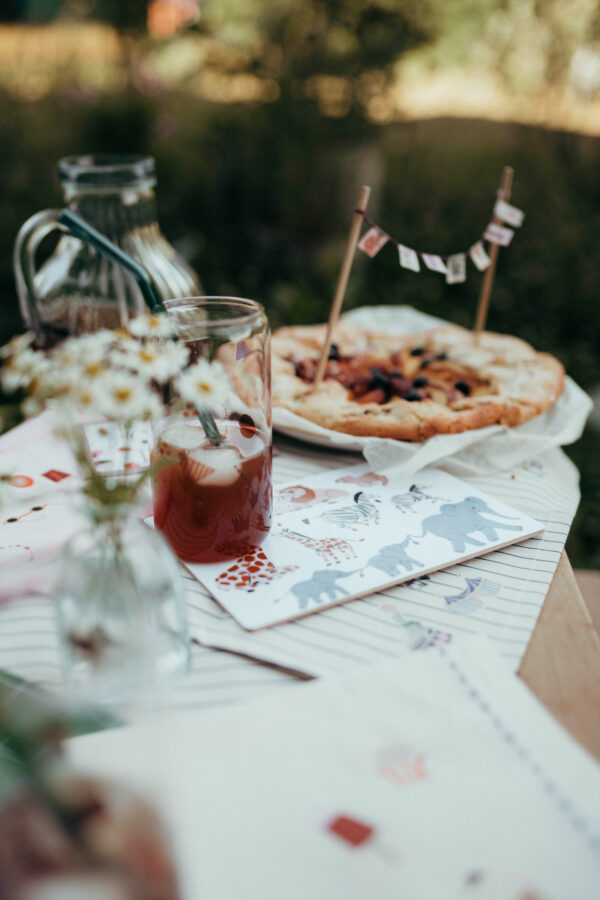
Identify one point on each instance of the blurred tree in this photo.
(130, 14)
(529, 44)
(312, 48)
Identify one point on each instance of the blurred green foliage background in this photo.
(266, 116)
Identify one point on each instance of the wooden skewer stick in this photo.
(488, 281)
(340, 290)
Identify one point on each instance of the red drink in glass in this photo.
(212, 503)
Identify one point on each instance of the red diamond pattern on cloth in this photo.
(55, 475)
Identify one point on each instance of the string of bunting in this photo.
(453, 266)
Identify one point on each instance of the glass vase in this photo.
(121, 607)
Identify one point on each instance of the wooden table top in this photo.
(562, 663)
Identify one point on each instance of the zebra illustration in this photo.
(362, 512)
(414, 494)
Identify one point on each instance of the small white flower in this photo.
(204, 384)
(16, 344)
(87, 398)
(154, 408)
(124, 396)
(160, 360)
(21, 370)
(87, 348)
(11, 380)
(31, 407)
(155, 325)
(122, 348)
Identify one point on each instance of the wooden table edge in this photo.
(561, 665)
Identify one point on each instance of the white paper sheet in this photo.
(434, 776)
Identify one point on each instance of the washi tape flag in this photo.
(453, 266)
(408, 258)
(456, 268)
(372, 242)
(509, 213)
(480, 258)
(433, 262)
(498, 235)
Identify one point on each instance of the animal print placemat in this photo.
(349, 532)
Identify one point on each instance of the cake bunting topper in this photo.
(453, 266)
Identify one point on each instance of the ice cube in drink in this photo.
(211, 503)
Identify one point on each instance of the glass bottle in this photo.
(76, 290)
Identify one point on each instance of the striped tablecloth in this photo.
(498, 596)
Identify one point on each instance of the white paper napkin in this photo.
(433, 776)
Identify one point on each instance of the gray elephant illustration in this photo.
(393, 559)
(322, 582)
(456, 522)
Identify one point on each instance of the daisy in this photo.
(204, 384)
(154, 408)
(87, 398)
(61, 381)
(85, 348)
(22, 370)
(158, 326)
(160, 360)
(123, 396)
(17, 344)
(31, 406)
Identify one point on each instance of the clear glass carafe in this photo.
(76, 290)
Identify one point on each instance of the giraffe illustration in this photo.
(331, 550)
(251, 570)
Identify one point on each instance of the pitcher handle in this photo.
(30, 235)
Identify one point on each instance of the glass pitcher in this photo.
(76, 290)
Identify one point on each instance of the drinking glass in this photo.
(213, 501)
